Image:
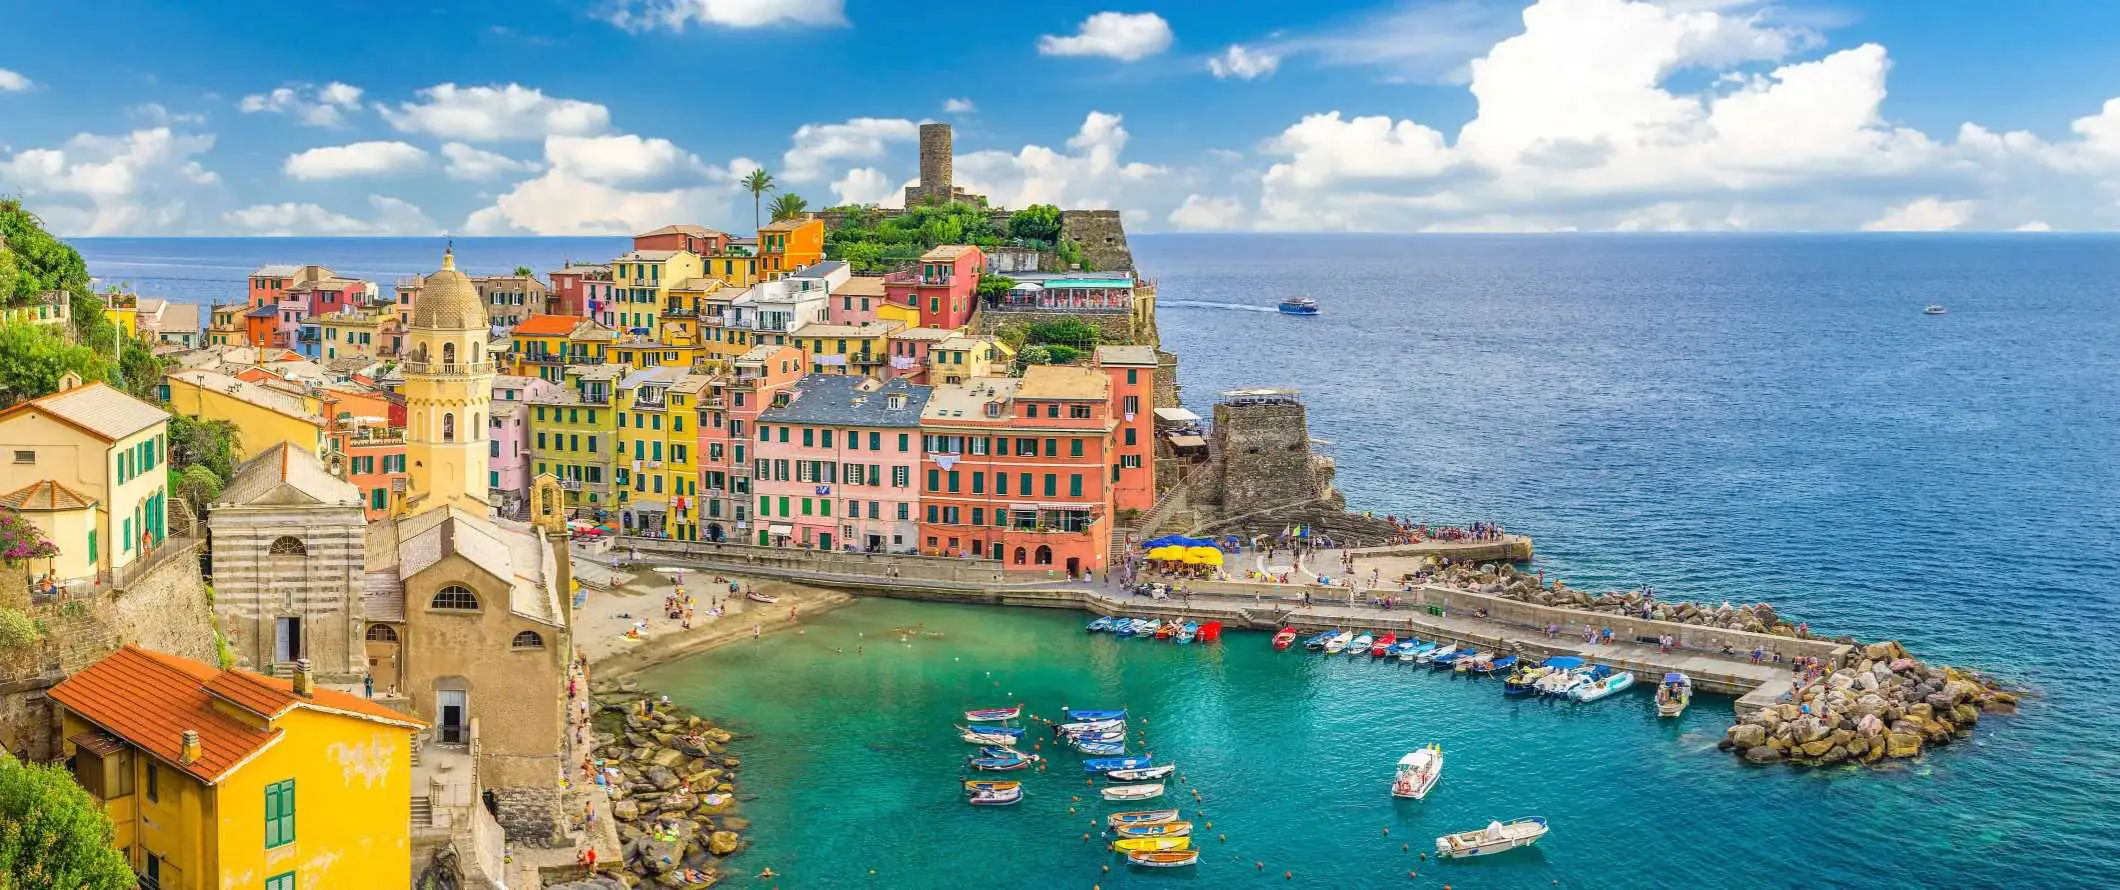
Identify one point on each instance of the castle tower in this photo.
(935, 156)
(448, 385)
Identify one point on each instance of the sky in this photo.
(418, 117)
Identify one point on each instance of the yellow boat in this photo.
(1160, 829)
(1152, 844)
(984, 785)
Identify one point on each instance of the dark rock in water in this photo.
(1762, 754)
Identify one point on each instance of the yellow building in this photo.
(353, 334)
(962, 357)
(859, 349)
(264, 413)
(543, 345)
(448, 393)
(786, 245)
(102, 446)
(656, 470)
(68, 520)
(691, 305)
(640, 282)
(224, 326)
(641, 353)
(574, 436)
(226, 779)
(123, 310)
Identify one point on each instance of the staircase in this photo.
(422, 812)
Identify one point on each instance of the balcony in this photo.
(542, 358)
(449, 369)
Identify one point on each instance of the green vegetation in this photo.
(871, 242)
(1038, 223)
(196, 485)
(522, 272)
(994, 286)
(52, 834)
(37, 356)
(758, 183)
(207, 444)
(32, 263)
(788, 205)
(16, 630)
(1067, 331)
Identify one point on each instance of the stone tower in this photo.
(936, 153)
(1262, 442)
(448, 385)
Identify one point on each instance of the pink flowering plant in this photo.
(19, 540)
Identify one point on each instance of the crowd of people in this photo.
(1410, 532)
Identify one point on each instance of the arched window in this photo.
(382, 633)
(475, 352)
(1020, 554)
(448, 353)
(288, 545)
(448, 427)
(478, 429)
(453, 597)
(1045, 555)
(528, 640)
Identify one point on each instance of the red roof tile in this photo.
(46, 496)
(547, 325)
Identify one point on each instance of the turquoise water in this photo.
(856, 765)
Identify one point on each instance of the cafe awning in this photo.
(1176, 415)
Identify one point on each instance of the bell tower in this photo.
(448, 390)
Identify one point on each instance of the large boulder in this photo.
(1817, 748)
(1901, 744)
(661, 777)
(722, 843)
(1762, 754)
(625, 810)
(668, 757)
(1835, 754)
(1747, 735)
(1965, 715)
(656, 855)
(1870, 704)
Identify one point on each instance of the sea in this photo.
(1726, 418)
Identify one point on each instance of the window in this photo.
(1078, 412)
(1132, 377)
(378, 499)
(1052, 484)
(1074, 448)
(905, 510)
(527, 640)
(455, 598)
(448, 427)
(288, 545)
(154, 783)
(1129, 435)
(901, 477)
(1130, 461)
(279, 817)
(382, 633)
(280, 882)
(903, 440)
(1074, 485)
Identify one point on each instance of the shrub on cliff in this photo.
(52, 834)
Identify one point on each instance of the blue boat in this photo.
(1003, 753)
(1499, 664)
(1101, 749)
(1299, 306)
(1077, 714)
(1318, 642)
(1444, 660)
(1103, 622)
(1186, 633)
(1014, 732)
(1107, 764)
(1002, 764)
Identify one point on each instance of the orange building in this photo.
(1015, 470)
(786, 245)
(1132, 371)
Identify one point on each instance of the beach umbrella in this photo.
(1205, 556)
(1167, 553)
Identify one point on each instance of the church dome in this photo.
(447, 301)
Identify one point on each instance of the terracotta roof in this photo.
(46, 496)
(149, 699)
(785, 225)
(547, 325)
(1063, 382)
(97, 409)
(698, 231)
(946, 252)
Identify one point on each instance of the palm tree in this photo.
(788, 205)
(522, 271)
(758, 183)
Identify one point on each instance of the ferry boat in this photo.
(1931, 309)
(1299, 306)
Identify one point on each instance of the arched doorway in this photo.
(715, 533)
(1019, 556)
(1045, 554)
(381, 648)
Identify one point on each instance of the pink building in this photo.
(834, 466)
(909, 349)
(943, 286)
(728, 420)
(1132, 370)
(579, 291)
(508, 445)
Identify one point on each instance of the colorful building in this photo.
(942, 289)
(699, 240)
(573, 435)
(219, 779)
(579, 290)
(48, 309)
(786, 245)
(657, 437)
(102, 446)
(728, 420)
(858, 349)
(264, 413)
(1132, 371)
(962, 357)
(862, 298)
(1015, 470)
(375, 464)
(642, 278)
(226, 326)
(834, 463)
(910, 351)
(510, 298)
(351, 332)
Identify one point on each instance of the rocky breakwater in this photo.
(674, 795)
(1506, 582)
(1884, 704)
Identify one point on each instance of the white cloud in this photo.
(308, 105)
(624, 160)
(1090, 175)
(611, 185)
(470, 163)
(1128, 37)
(675, 15)
(357, 159)
(392, 216)
(1243, 63)
(958, 106)
(862, 138)
(495, 113)
(865, 185)
(111, 185)
(1209, 214)
(1923, 215)
(13, 82)
(1406, 42)
(155, 115)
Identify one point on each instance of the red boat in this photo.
(1210, 631)
(1383, 645)
(1284, 639)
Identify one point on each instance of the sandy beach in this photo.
(601, 623)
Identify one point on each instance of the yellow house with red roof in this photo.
(229, 779)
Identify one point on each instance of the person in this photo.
(756, 629)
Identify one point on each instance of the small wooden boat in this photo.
(993, 715)
(1163, 858)
(1132, 792)
(1142, 775)
(1210, 632)
(1123, 627)
(1317, 641)
(1519, 682)
(1495, 838)
(1284, 639)
(1383, 645)
(979, 738)
(1090, 727)
(996, 798)
(756, 597)
(1141, 817)
(999, 751)
(1609, 684)
(1418, 772)
(1189, 632)
(1490, 665)
(1360, 645)
(1014, 732)
(1106, 735)
(1411, 650)
(1673, 694)
(1100, 749)
(1338, 642)
(1107, 764)
(1167, 630)
(1002, 764)
(1158, 829)
(1146, 844)
(1441, 650)
(1090, 714)
(1103, 623)
(971, 785)
(1152, 628)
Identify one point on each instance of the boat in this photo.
(974, 737)
(1429, 657)
(1933, 309)
(1284, 639)
(1102, 623)
(1400, 649)
(1090, 727)
(1141, 775)
(1107, 764)
(1519, 682)
(1141, 817)
(1495, 838)
(1441, 660)
(1125, 627)
(1418, 772)
(996, 798)
(1609, 684)
(1100, 749)
(1007, 732)
(1317, 643)
(1109, 735)
(1460, 658)
(1210, 632)
(1002, 764)
(1495, 665)
(1150, 628)
(993, 715)
(756, 597)
(1673, 694)
(1147, 844)
(1167, 629)
(1561, 672)
(1188, 632)
(1157, 829)
(1412, 650)
(1584, 676)
(1132, 792)
(991, 784)
(1164, 858)
(1093, 714)
(1299, 306)
(1338, 642)
(1383, 645)
(999, 751)
(1360, 645)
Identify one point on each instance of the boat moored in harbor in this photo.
(1107, 764)
(1285, 638)
(1495, 838)
(1383, 645)
(1141, 775)
(1163, 858)
(1154, 829)
(1673, 694)
(993, 715)
(1132, 792)
(1141, 817)
(1156, 844)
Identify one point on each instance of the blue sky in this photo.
(600, 116)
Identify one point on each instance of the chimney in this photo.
(305, 682)
(190, 752)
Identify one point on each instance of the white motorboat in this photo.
(1933, 309)
(1495, 838)
(1338, 643)
(1418, 772)
(1600, 687)
(1133, 792)
(1673, 694)
(1431, 655)
(1360, 645)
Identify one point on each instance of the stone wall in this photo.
(1264, 452)
(531, 815)
(321, 586)
(737, 557)
(1102, 237)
